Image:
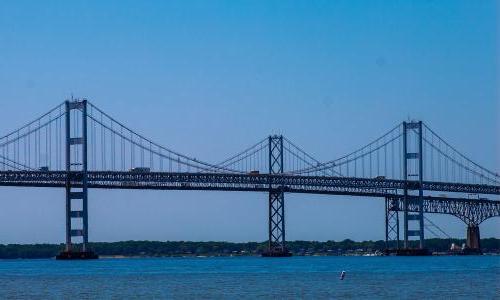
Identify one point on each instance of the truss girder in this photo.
(155, 180)
(471, 211)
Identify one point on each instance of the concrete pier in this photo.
(473, 238)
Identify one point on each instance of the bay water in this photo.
(441, 277)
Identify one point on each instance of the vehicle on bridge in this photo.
(140, 170)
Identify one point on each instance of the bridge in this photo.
(77, 146)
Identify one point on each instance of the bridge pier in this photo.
(277, 241)
(391, 224)
(473, 239)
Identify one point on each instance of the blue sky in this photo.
(208, 78)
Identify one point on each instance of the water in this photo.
(472, 277)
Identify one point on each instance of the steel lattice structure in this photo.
(77, 146)
(472, 211)
(276, 199)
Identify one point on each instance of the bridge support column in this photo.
(277, 241)
(391, 224)
(473, 238)
(76, 182)
(276, 244)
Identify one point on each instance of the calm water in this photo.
(473, 277)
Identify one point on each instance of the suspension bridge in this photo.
(77, 146)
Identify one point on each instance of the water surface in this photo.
(467, 277)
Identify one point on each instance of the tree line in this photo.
(183, 248)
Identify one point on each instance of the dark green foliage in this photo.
(181, 248)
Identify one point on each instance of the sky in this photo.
(209, 78)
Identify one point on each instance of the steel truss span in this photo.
(78, 146)
(471, 211)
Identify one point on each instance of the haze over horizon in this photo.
(208, 79)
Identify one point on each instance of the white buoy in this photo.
(342, 275)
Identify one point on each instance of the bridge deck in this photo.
(236, 182)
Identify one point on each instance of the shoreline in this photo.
(242, 256)
(134, 249)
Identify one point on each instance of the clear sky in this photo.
(208, 78)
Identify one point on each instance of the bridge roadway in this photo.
(235, 182)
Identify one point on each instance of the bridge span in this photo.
(78, 147)
(332, 185)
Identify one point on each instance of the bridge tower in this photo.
(413, 176)
(277, 244)
(76, 182)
